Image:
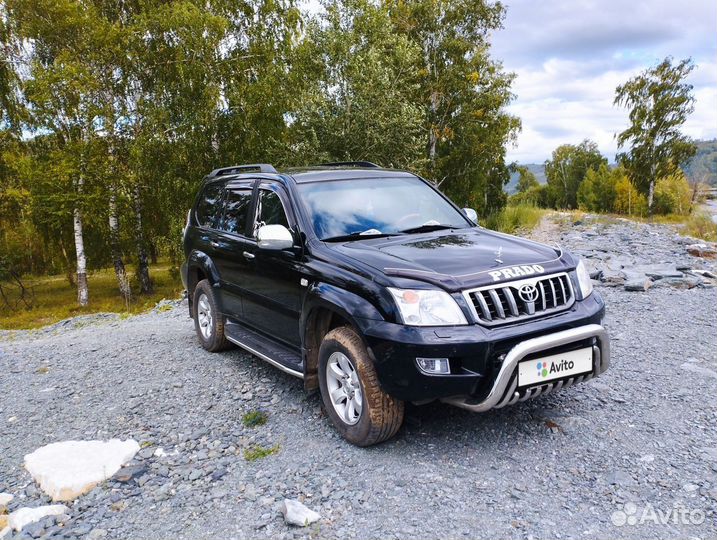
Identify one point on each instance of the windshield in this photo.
(376, 206)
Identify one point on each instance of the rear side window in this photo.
(209, 207)
(236, 211)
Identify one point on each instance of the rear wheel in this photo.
(208, 320)
(359, 409)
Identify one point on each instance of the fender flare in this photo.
(198, 260)
(349, 306)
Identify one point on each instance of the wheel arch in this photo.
(327, 307)
(199, 266)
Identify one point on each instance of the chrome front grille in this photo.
(523, 299)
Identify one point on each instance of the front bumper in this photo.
(504, 390)
(483, 361)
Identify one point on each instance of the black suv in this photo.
(370, 285)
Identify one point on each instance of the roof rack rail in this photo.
(350, 164)
(235, 169)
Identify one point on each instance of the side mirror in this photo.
(471, 214)
(274, 237)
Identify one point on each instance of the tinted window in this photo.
(270, 210)
(236, 211)
(209, 207)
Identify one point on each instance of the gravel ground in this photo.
(641, 438)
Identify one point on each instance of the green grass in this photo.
(254, 418)
(697, 224)
(512, 219)
(56, 300)
(259, 452)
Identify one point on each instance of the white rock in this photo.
(5, 499)
(66, 470)
(297, 514)
(24, 516)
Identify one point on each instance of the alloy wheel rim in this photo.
(204, 316)
(344, 388)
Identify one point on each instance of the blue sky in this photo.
(569, 55)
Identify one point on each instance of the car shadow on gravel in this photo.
(541, 418)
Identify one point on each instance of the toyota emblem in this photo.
(528, 293)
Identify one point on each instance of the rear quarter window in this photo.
(209, 207)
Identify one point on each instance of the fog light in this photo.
(434, 366)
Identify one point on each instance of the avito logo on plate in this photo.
(545, 368)
(557, 366)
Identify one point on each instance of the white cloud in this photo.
(569, 56)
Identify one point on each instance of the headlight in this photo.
(586, 284)
(427, 307)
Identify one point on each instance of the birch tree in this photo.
(659, 100)
(463, 92)
(60, 93)
(83, 293)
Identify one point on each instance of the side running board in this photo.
(268, 350)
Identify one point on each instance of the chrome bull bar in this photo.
(504, 388)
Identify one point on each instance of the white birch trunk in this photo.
(651, 189)
(83, 294)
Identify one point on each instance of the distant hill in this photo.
(536, 168)
(703, 167)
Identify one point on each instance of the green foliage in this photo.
(534, 196)
(526, 179)
(628, 200)
(258, 451)
(11, 109)
(514, 218)
(464, 94)
(612, 191)
(567, 169)
(254, 418)
(597, 192)
(370, 69)
(673, 195)
(139, 100)
(409, 85)
(659, 101)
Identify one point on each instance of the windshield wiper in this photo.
(358, 236)
(428, 227)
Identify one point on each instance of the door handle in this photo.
(214, 244)
(248, 255)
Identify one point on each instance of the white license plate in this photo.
(556, 366)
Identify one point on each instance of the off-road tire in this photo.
(216, 341)
(381, 415)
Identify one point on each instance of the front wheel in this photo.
(359, 409)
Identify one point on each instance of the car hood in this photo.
(457, 258)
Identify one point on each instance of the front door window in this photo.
(269, 210)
